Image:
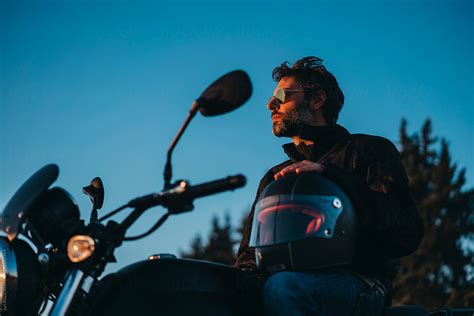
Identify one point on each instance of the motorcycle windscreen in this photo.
(24, 198)
(283, 218)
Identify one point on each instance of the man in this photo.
(305, 107)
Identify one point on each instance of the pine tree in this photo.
(440, 272)
(219, 245)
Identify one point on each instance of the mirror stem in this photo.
(168, 168)
(94, 216)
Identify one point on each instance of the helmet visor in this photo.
(283, 218)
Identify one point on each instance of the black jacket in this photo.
(369, 170)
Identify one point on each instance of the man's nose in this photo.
(273, 104)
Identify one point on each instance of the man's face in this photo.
(288, 117)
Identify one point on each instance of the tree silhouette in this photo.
(441, 271)
(219, 246)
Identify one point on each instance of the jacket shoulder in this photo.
(372, 142)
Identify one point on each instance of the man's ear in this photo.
(318, 100)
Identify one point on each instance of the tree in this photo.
(440, 272)
(219, 246)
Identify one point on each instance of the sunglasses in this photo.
(281, 95)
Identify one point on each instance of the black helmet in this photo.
(302, 222)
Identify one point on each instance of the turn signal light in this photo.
(80, 248)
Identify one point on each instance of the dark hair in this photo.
(310, 73)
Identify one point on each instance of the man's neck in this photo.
(297, 139)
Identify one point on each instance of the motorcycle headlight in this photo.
(20, 276)
(54, 216)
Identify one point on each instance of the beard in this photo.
(290, 124)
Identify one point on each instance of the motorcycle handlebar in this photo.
(189, 192)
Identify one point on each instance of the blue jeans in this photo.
(322, 293)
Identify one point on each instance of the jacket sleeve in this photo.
(387, 213)
(246, 254)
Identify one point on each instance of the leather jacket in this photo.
(369, 170)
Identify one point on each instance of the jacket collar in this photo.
(324, 138)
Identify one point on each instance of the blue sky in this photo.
(100, 88)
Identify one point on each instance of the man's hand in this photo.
(299, 167)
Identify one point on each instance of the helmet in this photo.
(303, 222)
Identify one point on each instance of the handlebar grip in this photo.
(189, 192)
(217, 186)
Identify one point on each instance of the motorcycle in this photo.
(60, 259)
(57, 265)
